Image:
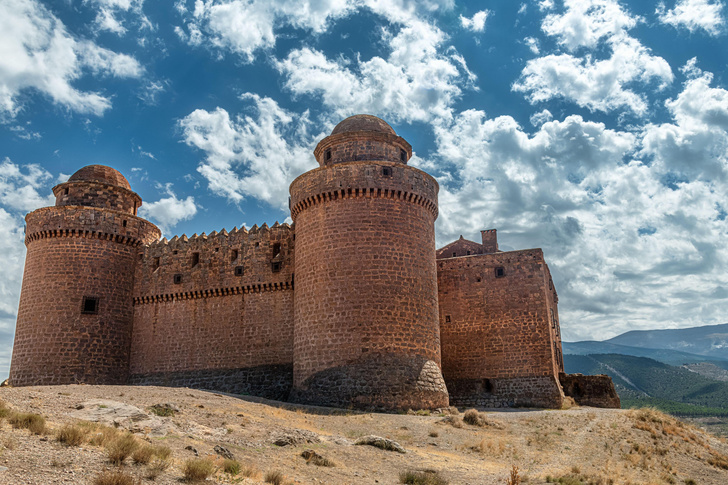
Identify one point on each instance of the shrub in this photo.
(114, 478)
(453, 421)
(249, 471)
(121, 447)
(231, 466)
(99, 435)
(428, 477)
(163, 410)
(156, 467)
(434, 434)
(143, 454)
(198, 469)
(163, 452)
(276, 478)
(514, 478)
(71, 435)
(4, 410)
(474, 418)
(35, 423)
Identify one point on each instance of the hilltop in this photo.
(589, 445)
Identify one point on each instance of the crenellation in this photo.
(376, 318)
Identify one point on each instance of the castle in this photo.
(350, 306)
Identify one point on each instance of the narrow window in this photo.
(195, 259)
(328, 154)
(90, 305)
(276, 249)
(468, 253)
(123, 223)
(257, 244)
(454, 254)
(155, 264)
(500, 272)
(239, 271)
(387, 171)
(403, 155)
(551, 284)
(65, 192)
(175, 252)
(276, 267)
(233, 255)
(177, 279)
(141, 256)
(478, 279)
(447, 318)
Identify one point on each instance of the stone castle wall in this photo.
(217, 312)
(496, 330)
(366, 330)
(77, 253)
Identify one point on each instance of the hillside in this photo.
(667, 356)
(708, 340)
(641, 381)
(585, 444)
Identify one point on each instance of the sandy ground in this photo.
(590, 445)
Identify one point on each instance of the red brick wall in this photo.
(461, 247)
(216, 323)
(496, 327)
(95, 194)
(365, 146)
(74, 253)
(365, 313)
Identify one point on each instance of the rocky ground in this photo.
(578, 445)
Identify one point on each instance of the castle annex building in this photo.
(351, 305)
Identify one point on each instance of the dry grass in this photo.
(114, 478)
(71, 435)
(231, 467)
(157, 467)
(453, 421)
(198, 469)
(313, 458)
(121, 448)
(5, 411)
(143, 454)
(276, 478)
(98, 434)
(427, 477)
(514, 478)
(249, 471)
(35, 423)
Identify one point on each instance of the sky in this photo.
(594, 129)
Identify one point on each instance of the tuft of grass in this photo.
(121, 448)
(157, 467)
(163, 452)
(434, 434)
(71, 435)
(161, 410)
(427, 477)
(453, 421)
(249, 471)
(514, 478)
(719, 461)
(474, 418)
(198, 469)
(5, 411)
(99, 435)
(231, 466)
(276, 478)
(143, 454)
(35, 423)
(114, 478)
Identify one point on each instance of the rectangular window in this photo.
(177, 279)
(500, 272)
(387, 172)
(233, 255)
(403, 155)
(123, 223)
(155, 263)
(276, 249)
(328, 154)
(454, 254)
(195, 259)
(276, 267)
(447, 318)
(90, 305)
(239, 271)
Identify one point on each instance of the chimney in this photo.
(490, 241)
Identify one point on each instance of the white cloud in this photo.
(532, 44)
(416, 82)
(538, 119)
(580, 76)
(168, 211)
(12, 239)
(38, 54)
(21, 187)
(251, 156)
(693, 15)
(476, 23)
(110, 15)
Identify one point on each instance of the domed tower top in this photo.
(362, 138)
(98, 186)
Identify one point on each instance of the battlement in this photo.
(255, 259)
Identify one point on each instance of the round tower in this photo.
(75, 315)
(366, 331)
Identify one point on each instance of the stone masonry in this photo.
(351, 306)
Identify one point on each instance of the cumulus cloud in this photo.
(168, 211)
(251, 155)
(21, 187)
(693, 15)
(476, 23)
(110, 15)
(38, 54)
(416, 82)
(580, 75)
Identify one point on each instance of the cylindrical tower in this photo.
(366, 330)
(75, 315)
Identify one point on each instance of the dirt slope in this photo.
(589, 445)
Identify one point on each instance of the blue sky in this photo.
(595, 129)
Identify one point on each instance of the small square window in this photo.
(468, 253)
(387, 171)
(500, 272)
(454, 254)
(447, 318)
(177, 279)
(90, 305)
(175, 252)
(239, 271)
(478, 279)
(276, 266)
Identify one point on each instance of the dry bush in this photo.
(434, 434)
(120, 448)
(249, 471)
(568, 403)
(35, 423)
(514, 478)
(276, 478)
(427, 477)
(71, 435)
(453, 421)
(231, 466)
(114, 478)
(474, 418)
(5, 411)
(719, 461)
(99, 435)
(143, 454)
(157, 467)
(198, 469)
